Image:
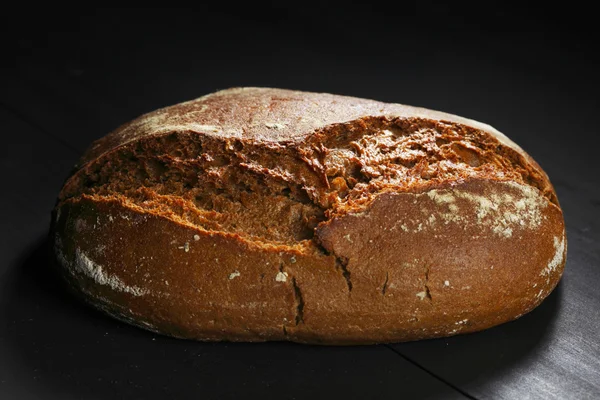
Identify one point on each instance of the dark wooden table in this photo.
(66, 80)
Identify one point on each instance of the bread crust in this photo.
(412, 260)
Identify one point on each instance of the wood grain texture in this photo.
(541, 89)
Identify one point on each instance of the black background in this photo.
(69, 76)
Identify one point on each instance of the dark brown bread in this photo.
(258, 214)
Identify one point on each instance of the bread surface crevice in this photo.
(280, 193)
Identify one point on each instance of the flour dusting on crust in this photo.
(86, 266)
(498, 211)
(557, 260)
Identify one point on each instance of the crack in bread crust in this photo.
(280, 192)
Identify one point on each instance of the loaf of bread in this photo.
(256, 214)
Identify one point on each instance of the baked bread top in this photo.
(311, 156)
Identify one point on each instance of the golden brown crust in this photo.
(267, 115)
(309, 217)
